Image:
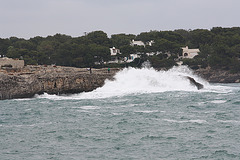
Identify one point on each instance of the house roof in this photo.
(186, 49)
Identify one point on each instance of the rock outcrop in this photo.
(31, 80)
(218, 76)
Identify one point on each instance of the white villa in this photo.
(189, 53)
(141, 43)
(137, 43)
(114, 51)
(114, 58)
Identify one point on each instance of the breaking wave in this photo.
(144, 80)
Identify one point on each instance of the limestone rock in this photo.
(32, 80)
(218, 76)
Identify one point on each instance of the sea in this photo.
(143, 114)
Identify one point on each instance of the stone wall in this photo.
(15, 63)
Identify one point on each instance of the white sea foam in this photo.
(229, 121)
(186, 121)
(117, 114)
(131, 81)
(48, 96)
(83, 111)
(27, 125)
(23, 99)
(219, 101)
(146, 111)
(198, 121)
(90, 107)
(146, 80)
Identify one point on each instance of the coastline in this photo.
(218, 75)
(30, 80)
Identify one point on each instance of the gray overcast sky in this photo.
(30, 18)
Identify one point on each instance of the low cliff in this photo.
(31, 80)
(218, 76)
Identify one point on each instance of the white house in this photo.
(189, 53)
(132, 57)
(114, 51)
(137, 43)
(141, 43)
(150, 43)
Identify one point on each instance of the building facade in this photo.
(137, 43)
(9, 62)
(189, 53)
(114, 51)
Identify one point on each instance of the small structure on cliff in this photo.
(9, 62)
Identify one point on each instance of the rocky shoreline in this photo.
(31, 80)
(218, 76)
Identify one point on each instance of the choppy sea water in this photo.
(142, 114)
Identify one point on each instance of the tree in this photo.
(165, 46)
(24, 44)
(157, 62)
(147, 36)
(99, 37)
(201, 37)
(219, 47)
(99, 52)
(13, 52)
(48, 50)
(126, 50)
(184, 33)
(4, 44)
(120, 40)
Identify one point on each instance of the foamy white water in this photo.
(145, 80)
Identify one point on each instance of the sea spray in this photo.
(142, 80)
(147, 80)
(146, 64)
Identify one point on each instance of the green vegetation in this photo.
(220, 48)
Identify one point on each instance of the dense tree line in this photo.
(220, 48)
